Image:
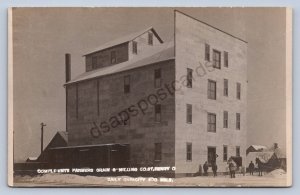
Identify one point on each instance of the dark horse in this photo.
(261, 166)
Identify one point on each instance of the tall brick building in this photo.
(172, 104)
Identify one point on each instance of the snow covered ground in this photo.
(276, 178)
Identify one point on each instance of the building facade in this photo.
(175, 104)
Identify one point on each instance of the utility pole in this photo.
(42, 136)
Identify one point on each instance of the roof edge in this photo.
(210, 26)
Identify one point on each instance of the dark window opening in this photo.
(157, 78)
(225, 87)
(150, 38)
(225, 154)
(207, 52)
(189, 152)
(238, 91)
(134, 47)
(211, 93)
(189, 113)
(238, 121)
(113, 58)
(225, 59)
(127, 84)
(237, 151)
(189, 79)
(225, 120)
(94, 62)
(157, 151)
(157, 111)
(211, 122)
(216, 59)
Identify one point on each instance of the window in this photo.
(225, 119)
(157, 78)
(157, 150)
(134, 47)
(225, 87)
(211, 122)
(127, 84)
(225, 154)
(150, 38)
(238, 121)
(216, 59)
(207, 52)
(238, 91)
(189, 78)
(157, 111)
(113, 57)
(189, 113)
(211, 89)
(225, 59)
(94, 62)
(189, 152)
(237, 151)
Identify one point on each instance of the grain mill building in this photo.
(169, 104)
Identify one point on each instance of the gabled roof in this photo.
(124, 39)
(159, 53)
(258, 147)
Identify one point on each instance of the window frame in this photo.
(211, 123)
(225, 119)
(225, 153)
(226, 88)
(238, 121)
(150, 38)
(226, 59)
(238, 90)
(207, 52)
(189, 151)
(134, 47)
(217, 60)
(189, 78)
(189, 113)
(210, 91)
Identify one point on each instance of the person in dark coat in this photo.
(214, 168)
(205, 168)
(251, 168)
(232, 169)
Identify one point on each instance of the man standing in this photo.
(232, 169)
(205, 168)
(214, 168)
(251, 168)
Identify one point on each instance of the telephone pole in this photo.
(42, 136)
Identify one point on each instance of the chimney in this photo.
(68, 67)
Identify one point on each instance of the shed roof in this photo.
(159, 53)
(124, 39)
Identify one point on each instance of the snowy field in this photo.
(276, 178)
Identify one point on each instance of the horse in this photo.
(261, 166)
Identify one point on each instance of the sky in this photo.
(42, 36)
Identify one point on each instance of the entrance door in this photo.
(211, 155)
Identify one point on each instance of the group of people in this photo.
(214, 168)
(231, 166)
